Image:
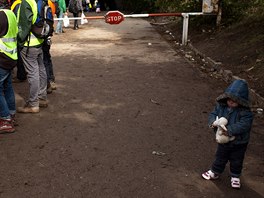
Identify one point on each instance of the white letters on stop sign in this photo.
(115, 18)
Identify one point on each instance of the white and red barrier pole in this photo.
(116, 17)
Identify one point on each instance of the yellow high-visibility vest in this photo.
(33, 40)
(8, 43)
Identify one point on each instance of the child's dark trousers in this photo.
(229, 152)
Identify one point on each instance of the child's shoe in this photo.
(235, 182)
(209, 175)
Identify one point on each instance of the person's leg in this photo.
(78, 14)
(47, 64)
(6, 91)
(237, 156)
(10, 95)
(4, 86)
(46, 58)
(221, 158)
(59, 24)
(42, 94)
(21, 72)
(30, 60)
(51, 76)
(75, 21)
(50, 73)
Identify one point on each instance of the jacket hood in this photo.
(237, 91)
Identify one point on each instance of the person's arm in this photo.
(63, 6)
(243, 125)
(3, 24)
(24, 23)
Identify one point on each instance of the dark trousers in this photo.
(75, 20)
(234, 154)
(21, 72)
(48, 62)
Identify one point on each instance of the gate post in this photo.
(185, 28)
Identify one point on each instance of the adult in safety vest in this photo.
(32, 56)
(8, 57)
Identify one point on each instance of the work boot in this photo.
(6, 126)
(53, 85)
(28, 109)
(49, 89)
(43, 103)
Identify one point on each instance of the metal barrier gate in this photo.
(116, 17)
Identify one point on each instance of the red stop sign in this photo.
(114, 17)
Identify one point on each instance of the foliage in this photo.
(232, 10)
(179, 5)
(139, 6)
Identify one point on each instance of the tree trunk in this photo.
(219, 14)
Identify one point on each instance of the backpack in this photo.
(73, 7)
(43, 27)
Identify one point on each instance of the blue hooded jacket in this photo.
(239, 118)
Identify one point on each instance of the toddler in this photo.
(233, 104)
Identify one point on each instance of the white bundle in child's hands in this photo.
(221, 123)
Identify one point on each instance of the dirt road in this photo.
(128, 119)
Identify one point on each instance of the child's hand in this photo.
(211, 126)
(224, 132)
(215, 123)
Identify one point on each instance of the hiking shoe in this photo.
(28, 109)
(43, 103)
(6, 126)
(53, 85)
(235, 182)
(209, 175)
(49, 89)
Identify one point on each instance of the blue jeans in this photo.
(229, 152)
(59, 24)
(7, 96)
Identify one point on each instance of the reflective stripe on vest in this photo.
(33, 41)
(7, 50)
(8, 39)
(8, 43)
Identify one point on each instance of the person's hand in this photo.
(224, 132)
(215, 123)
